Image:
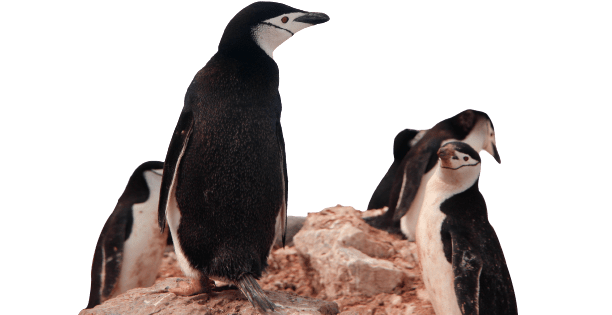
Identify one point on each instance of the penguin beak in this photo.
(313, 18)
(495, 154)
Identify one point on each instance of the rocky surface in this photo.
(337, 257)
(157, 300)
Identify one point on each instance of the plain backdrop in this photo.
(90, 90)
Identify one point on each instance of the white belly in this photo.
(437, 271)
(409, 221)
(144, 248)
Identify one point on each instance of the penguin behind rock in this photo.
(130, 248)
(404, 140)
(224, 188)
(470, 126)
(464, 269)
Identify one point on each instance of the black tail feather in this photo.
(251, 289)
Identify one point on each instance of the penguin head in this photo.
(478, 130)
(455, 155)
(265, 25)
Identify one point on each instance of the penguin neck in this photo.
(457, 180)
(478, 135)
(244, 48)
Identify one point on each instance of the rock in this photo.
(345, 253)
(294, 224)
(157, 300)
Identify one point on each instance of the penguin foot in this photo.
(194, 286)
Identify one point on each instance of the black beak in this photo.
(496, 154)
(313, 18)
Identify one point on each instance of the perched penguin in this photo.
(406, 197)
(464, 269)
(404, 140)
(224, 188)
(130, 248)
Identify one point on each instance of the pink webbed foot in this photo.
(193, 286)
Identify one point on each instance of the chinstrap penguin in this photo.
(464, 269)
(130, 248)
(470, 126)
(224, 189)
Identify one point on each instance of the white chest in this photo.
(144, 249)
(437, 271)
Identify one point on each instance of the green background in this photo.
(91, 90)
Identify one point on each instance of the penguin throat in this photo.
(458, 167)
(269, 36)
(460, 178)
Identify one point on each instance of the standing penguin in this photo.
(130, 249)
(402, 143)
(470, 126)
(464, 269)
(224, 188)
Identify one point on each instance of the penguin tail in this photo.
(251, 289)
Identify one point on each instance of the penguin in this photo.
(470, 126)
(402, 143)
(130, 248)
(224, 185)
(463, 266)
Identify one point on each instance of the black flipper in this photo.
(401, 146)
(467, 267)
(281, 140)
(179, 141)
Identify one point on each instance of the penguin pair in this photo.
(462, 262)
(406, 194)
(224, 185)
(130, 248)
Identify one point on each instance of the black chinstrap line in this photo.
(266, 23)
(450, 168)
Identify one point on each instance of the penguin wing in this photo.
(283, 210)
(108, 255)
(177, 147)
(467, 267)
(419, 161)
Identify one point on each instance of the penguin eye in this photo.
(285, 19)
(465, 158)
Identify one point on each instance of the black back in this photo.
(229, 182)
(115, 232)
(401, 146)
(420, 160)
(469, 239)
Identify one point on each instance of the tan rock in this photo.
(157, 300)
(345, 252)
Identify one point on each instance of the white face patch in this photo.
(458, 160)
(270, 33)
(158, 171)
